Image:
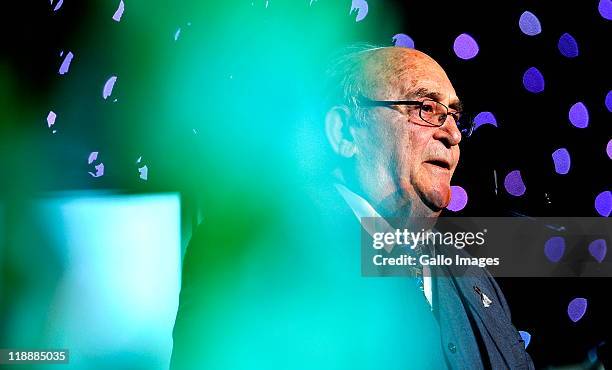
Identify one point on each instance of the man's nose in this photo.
(448, 133)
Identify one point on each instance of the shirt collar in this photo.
(360, 207)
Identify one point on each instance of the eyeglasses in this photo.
(430, 111)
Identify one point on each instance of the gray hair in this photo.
(345, 77)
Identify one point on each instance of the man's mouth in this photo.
(439, 163)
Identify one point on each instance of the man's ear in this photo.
(338, 131)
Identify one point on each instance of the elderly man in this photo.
(272, 278)
(396, 126)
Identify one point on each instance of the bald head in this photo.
(389, 73)
(392, 72)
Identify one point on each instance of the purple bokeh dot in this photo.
(361, 6)
(459, 198)
(484, 118)
(562, 161)
(66, 63)
(598, 249)
(92, 157)
(609, 149)
(576, 309)
(605, 9)
(579, 115)
(529, 24)
(465, 46)
(99, 170)
(609, 101)
(403, 40)
(533, 80)
(119, 12)
(603, 203)
(108, 87)
(144, 172)
(568, 46)
(514, 183)
(526, 337)
(51, 118)
(58, 5)
(554, 248)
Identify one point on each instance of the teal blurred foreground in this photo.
(218, 100)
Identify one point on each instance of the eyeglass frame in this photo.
(367, 102)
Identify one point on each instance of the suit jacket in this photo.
(285, 291)
(473, 332)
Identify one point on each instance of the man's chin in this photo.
(434, 195)
(437, 199)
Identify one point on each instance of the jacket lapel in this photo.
(472, 285)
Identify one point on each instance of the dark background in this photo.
(530, 127)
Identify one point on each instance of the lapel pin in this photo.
(486, 301)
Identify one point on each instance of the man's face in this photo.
(407, 161)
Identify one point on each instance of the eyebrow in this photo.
(426, 93)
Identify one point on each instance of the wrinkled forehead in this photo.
(400, 73)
